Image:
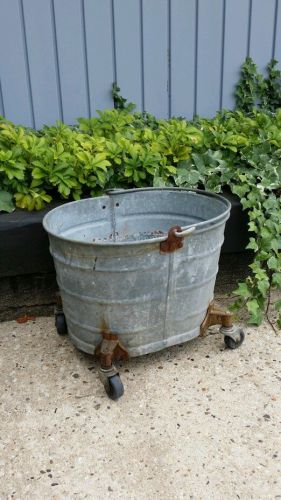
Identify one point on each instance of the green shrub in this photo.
(116, 149)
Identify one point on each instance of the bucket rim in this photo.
(199, 226)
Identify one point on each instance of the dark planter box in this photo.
(24, 245)
(236, 235)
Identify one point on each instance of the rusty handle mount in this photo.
(174, 240)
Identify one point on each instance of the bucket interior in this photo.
(133, 216)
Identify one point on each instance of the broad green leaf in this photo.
(6, 202)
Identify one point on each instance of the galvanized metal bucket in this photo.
(140, 263)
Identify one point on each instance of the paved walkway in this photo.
(196, 421)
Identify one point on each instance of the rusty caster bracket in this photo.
(110, 349)
(216, 316)
(58, 303)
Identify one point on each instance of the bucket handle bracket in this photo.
(174, 240)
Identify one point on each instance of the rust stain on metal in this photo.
(104, 327)
(110, 348)
(173, 242)
(216, 316)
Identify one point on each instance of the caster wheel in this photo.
(230, 343)
(114, 387)
(60, 323)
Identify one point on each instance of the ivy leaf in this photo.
(199, 162)
(255, 312)
(276, 279)
(272, 263)
(252, 227)
(265, 234)
(277, 305)
(243, 291)
(158, 182)
(275, 245)
(193, 177)
(240, 190)
(263, 287)
(252, 245)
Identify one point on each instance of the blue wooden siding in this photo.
(209, 56)
(170, 57)
(235, 48)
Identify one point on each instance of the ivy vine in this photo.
(254, 90)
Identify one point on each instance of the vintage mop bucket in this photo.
(136, 271)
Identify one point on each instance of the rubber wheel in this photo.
(114, 387)
(232, 344)
(60, 323)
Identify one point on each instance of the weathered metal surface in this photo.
(110, 269)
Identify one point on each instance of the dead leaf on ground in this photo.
(25, 318)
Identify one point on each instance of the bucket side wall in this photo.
(150, 299)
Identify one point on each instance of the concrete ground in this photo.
(196, 421)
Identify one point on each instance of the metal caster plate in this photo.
(60, 323)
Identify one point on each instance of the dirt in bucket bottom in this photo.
(145, 235)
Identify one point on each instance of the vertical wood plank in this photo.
(2, 110)
(41, 54)
(235, 47)
(277, 44)
(155, 54)
(262, 29)
(71, 59)
(14, 78)
(128, 49)
(210, 23)
(98, 22)
(183, 24)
